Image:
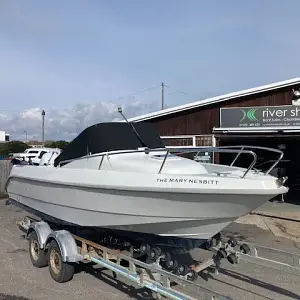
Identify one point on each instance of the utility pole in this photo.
(43, 126)
(162, 95)
(25, 131)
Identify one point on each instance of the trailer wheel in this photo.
(155, 253)
(182, 270)
(171, 264)
(232, 242)
(232, 258)
(37, 255)
(60, 271)
(145, 248)
(222, 253)
(192, 275)
(245, 249)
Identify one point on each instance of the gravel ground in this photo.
(19, 280)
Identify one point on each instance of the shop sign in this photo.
(260, 116)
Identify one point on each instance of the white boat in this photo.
(34, 154)
(49, 157)
(121, 177)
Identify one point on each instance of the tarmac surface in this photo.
(19, 280)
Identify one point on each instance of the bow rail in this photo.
(239, 150)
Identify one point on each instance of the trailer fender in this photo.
(67, 245)
(42, 230)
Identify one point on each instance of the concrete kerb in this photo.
(287, 216)
(5, 168)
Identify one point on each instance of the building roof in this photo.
(216, 99)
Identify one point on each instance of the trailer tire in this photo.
(60, 271)
(192, 275)
(37, 255)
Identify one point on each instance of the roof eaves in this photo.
(216, 99)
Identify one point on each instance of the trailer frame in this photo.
(73, 249)
(145, 275)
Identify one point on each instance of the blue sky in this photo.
(72, 57)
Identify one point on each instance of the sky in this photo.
(80, 60)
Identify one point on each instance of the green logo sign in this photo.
(260, 116)
(250, 115)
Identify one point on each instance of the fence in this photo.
(4, 157)
(5, 168)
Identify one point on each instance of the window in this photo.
(204, 141)
(42, 153)
(171, 141)
(33, 152)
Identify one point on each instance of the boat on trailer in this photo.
(119, 182)
(60, 251)
(120, 176)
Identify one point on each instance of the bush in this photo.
(12, 147)
(58, 144)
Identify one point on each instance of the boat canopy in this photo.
(111, 136)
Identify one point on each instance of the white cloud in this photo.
(69, 122)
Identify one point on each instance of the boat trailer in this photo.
(60, 250)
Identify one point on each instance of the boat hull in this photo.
(110, 200)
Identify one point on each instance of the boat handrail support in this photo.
(212, 149)
(281, 154)
(241, 149)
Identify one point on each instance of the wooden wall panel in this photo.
(201, 120)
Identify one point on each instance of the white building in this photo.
(4, 137)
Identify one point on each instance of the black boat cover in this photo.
(111, 136)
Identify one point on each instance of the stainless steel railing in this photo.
(224, 149)
(210, 149)
(258, 148)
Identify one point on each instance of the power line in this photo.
(139, 92)
(162, 93)
(176, 90)
(162, 85)
(19, 111)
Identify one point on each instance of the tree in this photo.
(57, 144)
(13, 147)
